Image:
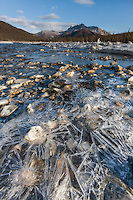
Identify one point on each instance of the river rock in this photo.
(45, 95)
(8, 110)
(3, 102)
(9, 82)
(113, 63)
(118, 68)
(57, 74)
(39, 76)
(86, 108)
(130, 67)
(3, 87)
(70, 74)
(130, 79)
(14, 92)
(118, 103)
(63, 68)
(98, 84)
(16, 86)
(22, 81)
(36, 135)
(106, 66)
(91, 71)
(20, 56)
(126, 92)
(130, 72)
(67, 87)
(30, 109)
(2, 77)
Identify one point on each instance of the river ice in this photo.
(66, 123)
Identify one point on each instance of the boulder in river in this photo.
(3, 102)
(3, 87)
(8, 110)
(130, 79)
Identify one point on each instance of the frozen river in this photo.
(66, 121)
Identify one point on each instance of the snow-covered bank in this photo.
(103, 47)
(115, 48)
(20, 42)
(6, 42)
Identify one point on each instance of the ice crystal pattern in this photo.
(65, 151)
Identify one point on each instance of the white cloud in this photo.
(36, 26)
(49, 17)
(54, 7)
(20, 11)
(85, 2)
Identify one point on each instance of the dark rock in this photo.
(130, 67)
(114, 192)
(118, 68)
(126, 92)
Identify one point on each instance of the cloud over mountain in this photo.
(54, 7)
(20, 11)
(49, 17)
(36, 25)
(85, 2)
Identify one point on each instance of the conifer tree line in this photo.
(121, 37)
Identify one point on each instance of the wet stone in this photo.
(106, 66)
(130, 67)
(130, 79)
(119, 104)
(70, 74)
(14, 92)
(45, 95)
(20, 56)
(57, 74)
(2, 77)
(3, 102)
(16, 86)
(98, 84)
(126, 92)
(8, 110)
(118, 68)
(3, 87)
(91, 71)
(113, 63)
(130, 72)
(9, 82)
(113, 192)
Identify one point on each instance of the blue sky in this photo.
(36, 15)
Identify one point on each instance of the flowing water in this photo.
(66, 123)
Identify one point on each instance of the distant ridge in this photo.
(93, 29)
(76, 31)
(11, 33)
(47, 34)
(83, 32)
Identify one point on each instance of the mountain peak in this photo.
(75, 27)
(93, 29)
(79, 30)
